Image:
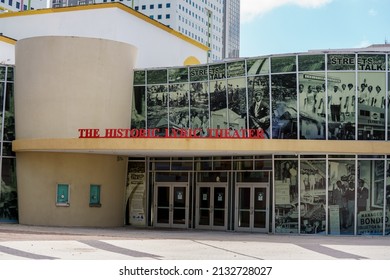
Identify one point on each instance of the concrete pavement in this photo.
(20, 242)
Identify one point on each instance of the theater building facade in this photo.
(284, 144)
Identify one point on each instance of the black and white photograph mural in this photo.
(179, 110)
(284, 106)
(341, 105)
(371, 96)
(313, 196)
(341, 182)
(286, 196)
(199, 106)
(157, 107)
(259, 104)
(312, 105)
(257, 66)
(218, 97)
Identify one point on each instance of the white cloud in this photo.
(253, 8)
(372, 12)
(363, 44)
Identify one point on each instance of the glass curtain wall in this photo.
(334, 96)
(8, 191)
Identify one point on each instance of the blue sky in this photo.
(288, 26)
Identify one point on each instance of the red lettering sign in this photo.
(219, 133)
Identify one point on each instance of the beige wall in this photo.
(39, 174)
(63, 84)
(66, 83)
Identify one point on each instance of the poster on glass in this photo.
(284, 106)
(258, 105)
(312, 105)
(286, 196)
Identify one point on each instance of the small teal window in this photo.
(94, 195)
(62, 195)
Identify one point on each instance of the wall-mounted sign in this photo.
(170, 133)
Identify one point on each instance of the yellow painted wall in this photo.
(39, 174)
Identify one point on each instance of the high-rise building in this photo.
(200, 20)
(231, 41)
(22, 5)
(215, 23)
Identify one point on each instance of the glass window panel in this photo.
(8, 191)
(341, 197)
(312, 105)
(370, 156)
(283, 64)
(217, 71)
(9, 116)
(259, 105)
(237, 103)
(222, 158)
(284, 105)
(371, 106)
(172, 177)
(286, 196)
(342, 102)
(2, 93)
(157, 76)
(222, 165)
(341, 62)
(341, 156)
(313, 156)
(2, 73)
(218, 104)
(199, 106)
(162, 165)
(311, 62)
(242, 157)
(204, 165)
(199, 73)
(387, 198)
(179, 106)
(138, 111)
(157, 100)
(139, 77)
(285, 156)
(182, 158)
(236, 69)
(243, 165)
(247, 177)
(181, 165)
(178, 75)
(7, 149)
(257, 66)
(212, 177)
(371, 62)
(10, 73)
(370, 197)
(313, 196)
(263, 165)
(388, 105)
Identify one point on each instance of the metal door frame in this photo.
(171, 186)
(212, 186)
(251, 227)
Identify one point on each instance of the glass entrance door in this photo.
(211, 206)
(252, 207)
(171, 205)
